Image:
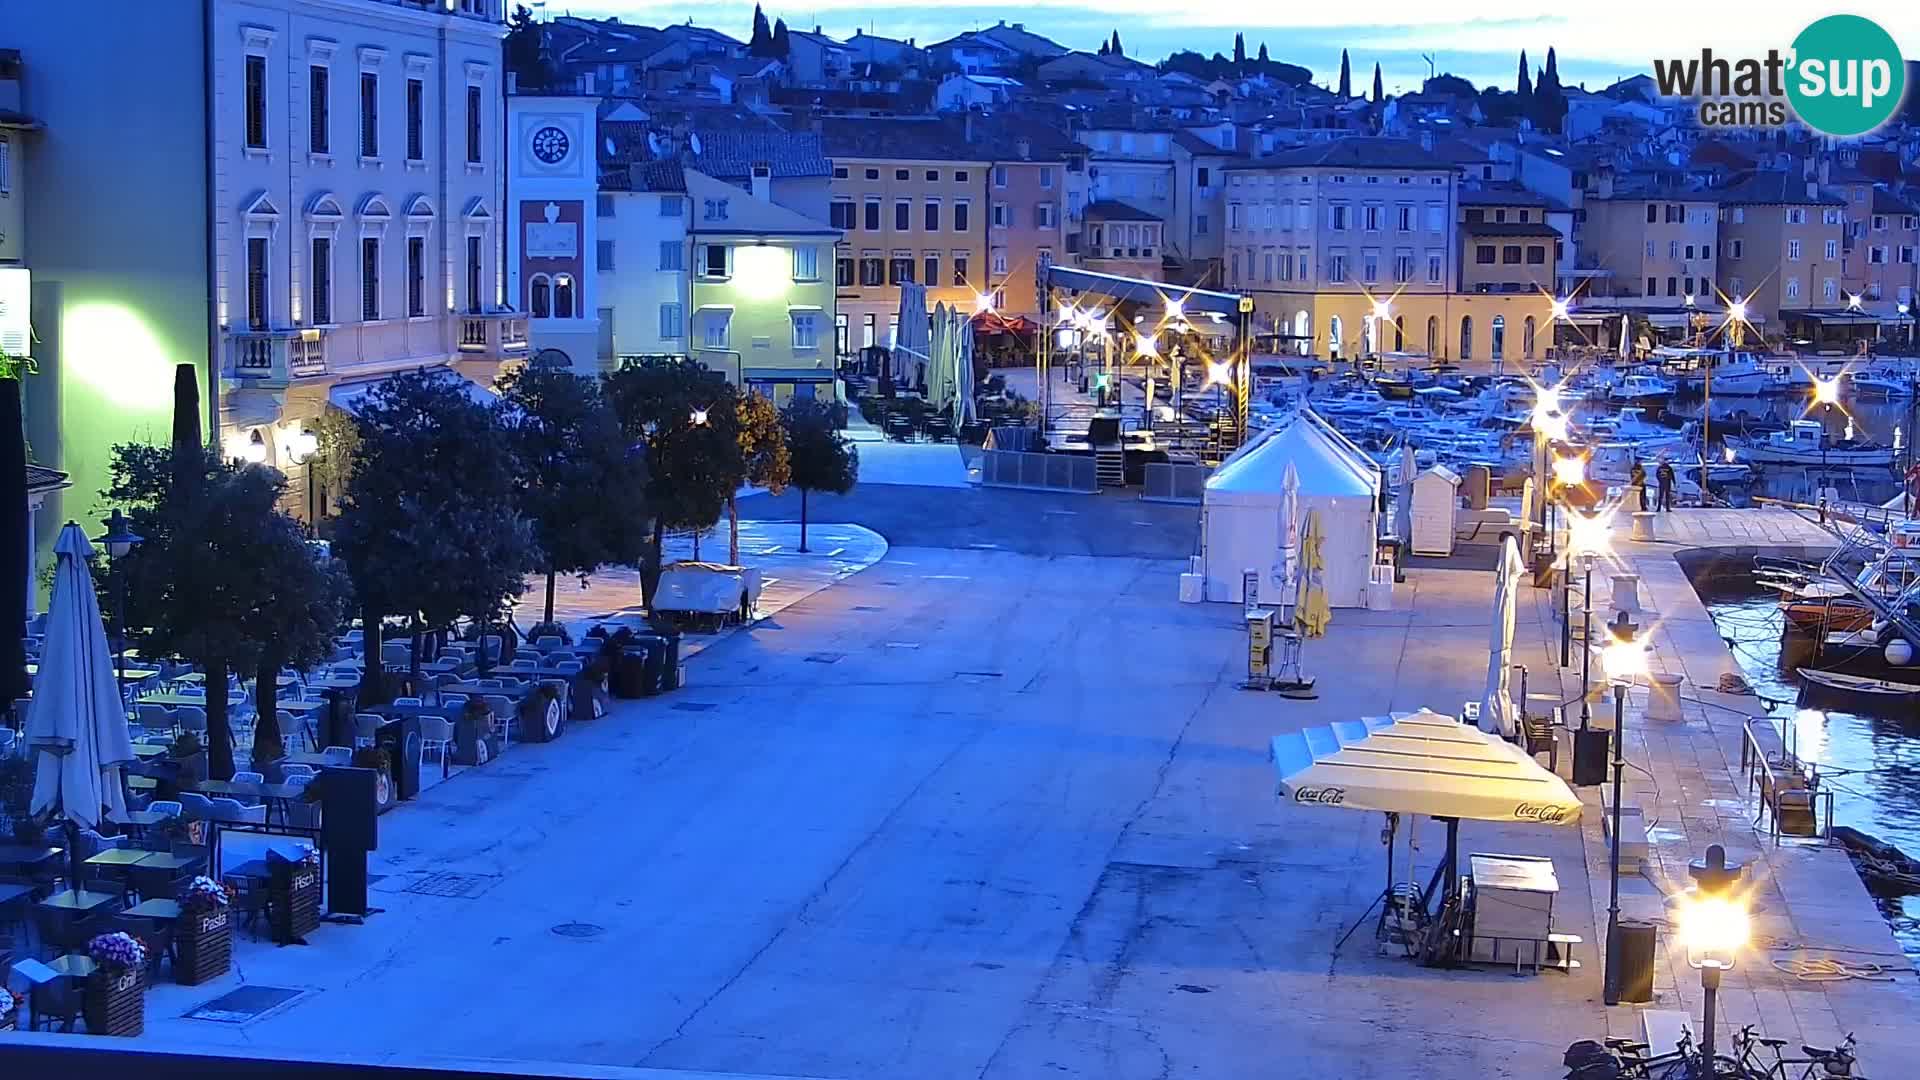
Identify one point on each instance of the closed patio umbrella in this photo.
(1286, 563)
(77, 723)
(1312, 614)
(1403, 498)
(1498, 711)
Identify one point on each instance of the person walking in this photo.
(1664, 474)
(1637, 479)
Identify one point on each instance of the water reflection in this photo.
(1881, 420)
(1872, 762)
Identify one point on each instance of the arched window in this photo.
(1433, 335)
(1368, 346)
(1399, 333)
(1466, 337)
(1499, 351)
(1526, 337)
(540, 301)
(1333, 338)
(563, 297)
(1303, 332)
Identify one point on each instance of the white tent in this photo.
(1241, 529)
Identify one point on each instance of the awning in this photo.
(1419, 763)
(1141, 290)
(795, 375)
(1834, 317)
(349, 395)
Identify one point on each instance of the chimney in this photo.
(1019, 26)
(966, 132)
(762, 181)
(1603, 185)
(816, 28)
(1023, 146)
(1826, 170)
(1813, 189)
(513, 86)
(586, 84)
(1426, 140)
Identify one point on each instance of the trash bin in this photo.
(400, 738)
(670, 669)
(1635, 956)
(656, 663)
(1590, 748)
(632, 674)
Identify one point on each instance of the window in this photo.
(840, 214)
(872, 222)
(369, 114)
(1483, 254)
(1303, 214)
(1536, 254)
(1002, 216)
(930, 219)
(370, 279)
(932, 175)
(1370, 217)
(1337, 267)
(473, 273)
(717, 261)
(1653, 214)
(1830, 290)
(672, 255)
(474, 124)
(1833, 249)
(319, 139)
(1877, 254)
(1796, 215)
(1673, 249)
(843, 270)
(1233, 217)
(320, 274)
(1793, 288)
(671, 206)
(1526, 337)
(1793, 251)
(899, 174)
(959, 176)
(256, 102)
(1369, 266)
(257, 283)
(999, 262)
(873, 174)
(1739, 214)
(603, 255)
(1736, 249)
(873, 269)
(1510, 254)
(714, 209)
(1466, 337)
(716, 323)
(959, 268)
(806, 263)
(1433, 335)
(839, 172)
(1673, 286)
(960, 210)
(1652, 252)
(1403, 266)
(902, 215)
(866, 329)
(931, 268)
(999, 176)
(1337, 216)
(1043, 218)
(899, 268)
(1830, 217)
(416, 120)
(540, 293)
(1498, 348)
(1403, 217)
(1046, 178)
(806, 330)
(1906, 253)
(1436, 272)
(672, 321)
(417, 276)
(1686, 285)
(1436, 217)
(1653, 287)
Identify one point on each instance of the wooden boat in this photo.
(1886, 870)
(1856, 684)
(1812, 616)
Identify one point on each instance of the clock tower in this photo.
(552, 180)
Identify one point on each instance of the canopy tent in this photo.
(1242, 505)
(1498, 711)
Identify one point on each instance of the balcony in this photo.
(274, 357)
(500, 335)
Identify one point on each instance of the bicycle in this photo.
(1625, 1059)
(1821, 1063)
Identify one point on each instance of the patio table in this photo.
(274, 794)
(118, 857)
(11, 893)
(148, 750)
(27, 856)
(158, 909)
(72, 965)
(168, 697)
(77, 901)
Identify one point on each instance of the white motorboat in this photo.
(1878, 385)
(1641, 390)
(1731, 371)
(1362, 402)
(1805, 442)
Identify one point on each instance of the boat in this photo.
(1359, 402)
(1860, 684)
(1641, 390)
(1833, 614)
(1805, 442)
(1886, 870)
(1730, 371)
(1873, 385)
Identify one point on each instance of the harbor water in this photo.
(1870, 759)
(1882, 420)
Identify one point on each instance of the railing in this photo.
(501, 333)
(473, 334)
(277, 355)
(307, 356)
(1784, 786)
(1039, 472)
(1172, 482)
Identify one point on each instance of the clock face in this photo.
(550, 145)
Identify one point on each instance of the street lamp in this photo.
(119, 539)
(1713, 925)
(302, 447)
(1625, 660)
(1587, 537)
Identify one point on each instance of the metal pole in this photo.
(1611, 982)
(1710, 986)
(1566, 616)
(120, 625)
(1586, 642)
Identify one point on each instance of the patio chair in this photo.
(155, 882)
(249, 900)
(364, 727)
(408, 701)
(547, 643)
(156, 717)
(436, 734)
(235, 810)
(570, 667)
(195, 806)
(501, 708)
(524, 665)
(454, 703)
(337, 755)
(289, 771)
(192, 718)
(248, 777)
(50, 997)
(59, 932)
(194, 691)
(157, 933)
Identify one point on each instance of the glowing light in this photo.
(1904, 309)
(1570, 470)
(1689, 300)
(250, 448)
(1715, 927)
(982, 303)
(699, 417)
(1589, 534)
(1853, 301)
(761, 272)
(1737, 311)
(1727, 452)
(113, 350)
(1068, 316)
(1849, 433)
(1145, 346)
(1551, 426)
(302, 445)
(1624, 659)
(1174, 307)
(1382, 310)
(1219, 373)
(1826, 391)
(1561, 306)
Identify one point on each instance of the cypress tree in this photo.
(1346, 76)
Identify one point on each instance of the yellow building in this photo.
(1478, 328)
(761, 290)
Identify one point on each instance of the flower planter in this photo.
(543, 716)
(115, 1003)
(293, 901)
(203, 944)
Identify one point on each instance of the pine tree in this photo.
(781, 46)
(1346, 76)
(1115, 48)
(762, 38)
(1102, 50)
(1379, 92)
(1525, 88)
(1549, 102)
(1263, 54)
(1239, 50)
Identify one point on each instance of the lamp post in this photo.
(1625, 658)
(1713, 926)
(302, 448)
(119, 540)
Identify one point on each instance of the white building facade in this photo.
(554, 226)
(641, 264)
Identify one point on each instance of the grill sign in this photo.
(1544, 813)
(1321, 796)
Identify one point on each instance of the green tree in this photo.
(1113, 46)
(686, 417)
(309, 599)
(1525, 86)
(823, 458)
(523, 47)
(1346, 77)
(762, 38)
(1239, 50)
(763, 454)
(780, 47)
(1262, 58)
(1549, 101)
(428, 526)
(581, 487)
(1379, 92)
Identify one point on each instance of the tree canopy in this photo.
(1346, 76)
(823, 458)
(760, 43)
(1379, 91)
(523, 46)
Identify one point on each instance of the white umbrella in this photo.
(1403, 500)
(1286, 563)
(1498, 711)
(963, 368)
(77, 723)
(1626, 334)
(938, 333)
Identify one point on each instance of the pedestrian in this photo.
(1637, 479)
(1664, 474)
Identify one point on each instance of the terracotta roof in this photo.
(1357, 152)
(662, 176)
(1509, 228)
(1773, 187)
(731, 155)
(940, 139)
(41, 478)
(1115, 210)
(1886, 202)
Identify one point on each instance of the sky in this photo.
(1596, 42)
